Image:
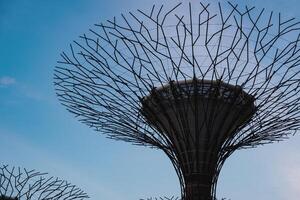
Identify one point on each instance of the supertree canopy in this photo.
(19, 184)
(197, 81)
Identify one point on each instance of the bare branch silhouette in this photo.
(19, 184)
(197, 86)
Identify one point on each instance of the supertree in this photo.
(22, 184)
(197, 81)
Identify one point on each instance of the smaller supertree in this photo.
(171, 198)
(18, 184)
(2, 197)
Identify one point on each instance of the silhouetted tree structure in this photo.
(2, 197)
(19, 184)
(171, 198)
(198, 86)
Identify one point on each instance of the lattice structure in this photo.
(19, 184)
(169, 198)
(196, 81)
(162, 198)
(7, 198)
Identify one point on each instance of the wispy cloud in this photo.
(20, 88)
(30, 92)
(7, 81)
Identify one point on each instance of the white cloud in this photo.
(6, 81)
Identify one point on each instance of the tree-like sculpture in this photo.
(18, 184)
(197, 86)
(2, 197)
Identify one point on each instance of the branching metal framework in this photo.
(21, 184)
(162, 198)
(169, 198)
(109, 72)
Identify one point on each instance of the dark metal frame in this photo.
(17, 183)
(108, 72)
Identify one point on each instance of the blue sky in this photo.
(36, 132)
